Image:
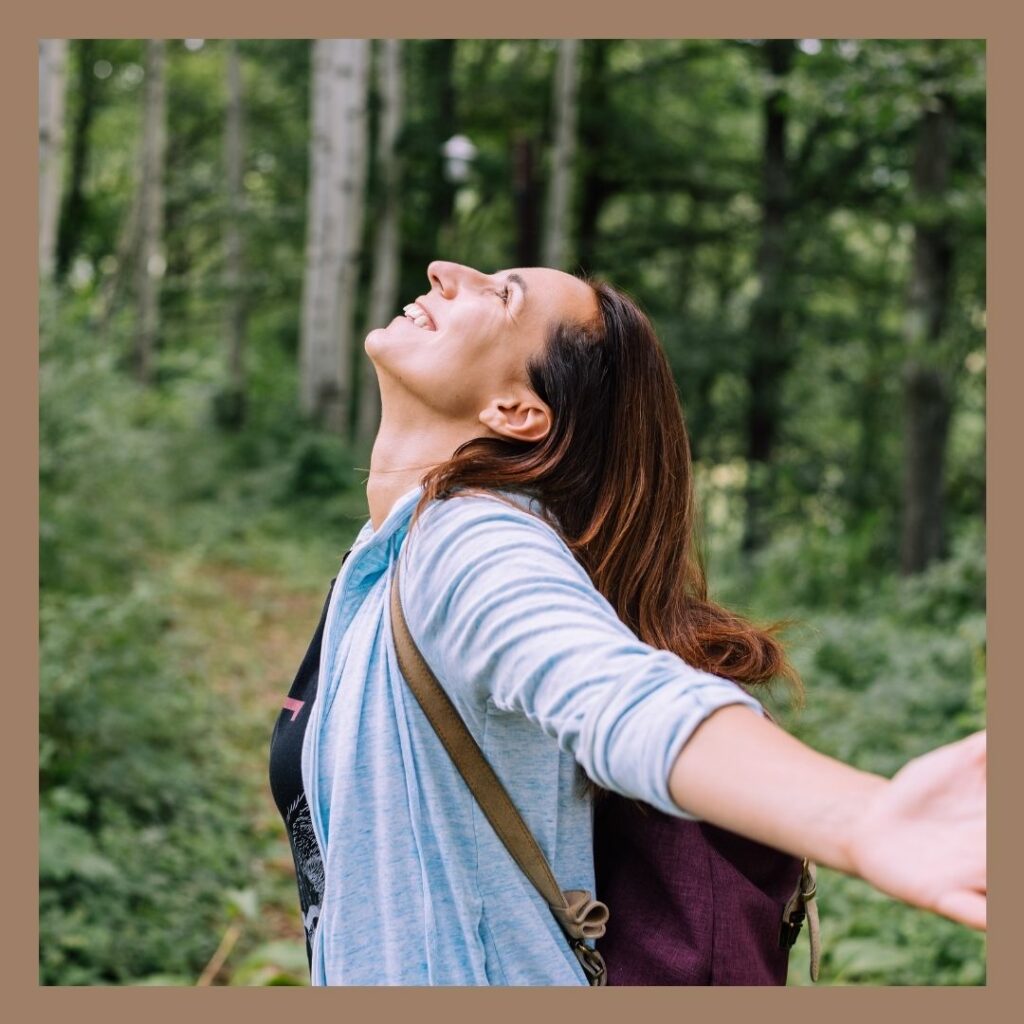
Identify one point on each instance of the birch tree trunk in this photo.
(233, 412)
(387, 242)
(150, 265)
(52, 92)
(556, 229)
(338, 146)
(927, 387)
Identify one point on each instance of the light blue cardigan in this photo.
(419, 890)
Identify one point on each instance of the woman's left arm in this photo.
(919, 837)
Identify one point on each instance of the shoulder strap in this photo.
(800, 905)
(580, 916)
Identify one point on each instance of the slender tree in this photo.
(771, 349)
(387, 242)
(927, 389)
(74, 210)
(525, 192)
(596, 187)
(233, 411)
(338, 144)
(563, 157)
(150, 265)
(52, 91)
(428, 195)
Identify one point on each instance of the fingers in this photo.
(965, 906)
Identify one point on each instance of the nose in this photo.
(449, 277)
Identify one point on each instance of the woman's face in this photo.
(463, 345)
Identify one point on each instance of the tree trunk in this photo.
(233, 407)
(771, 354)
(431, 121)
(74, 210)
(52, 92)
(563, 162)
(524, 187)
(387, 242)
(593, 132)
(334, 229)
(115, 284)
(441, 60)
(927, 388)
(150, 265)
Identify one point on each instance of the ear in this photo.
(522, 417)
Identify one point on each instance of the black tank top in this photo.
(286, 781)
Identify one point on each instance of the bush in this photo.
(892, 667)
(142, 826)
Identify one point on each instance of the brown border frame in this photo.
(524, 19)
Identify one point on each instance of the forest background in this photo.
(221, 222)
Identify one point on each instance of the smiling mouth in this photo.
(419, 316)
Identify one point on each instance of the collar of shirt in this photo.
(372, 550)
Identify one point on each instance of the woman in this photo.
(532, 472)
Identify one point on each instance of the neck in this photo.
(406, 447)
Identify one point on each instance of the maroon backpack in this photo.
(693, 904)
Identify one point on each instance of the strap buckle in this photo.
(790, 930)
(591, 961)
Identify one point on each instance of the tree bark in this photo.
(74, 210)
(114, 285)
(441, 60)
(524, 187)
(927, 388)
(387, 241)
(52, 94)
(563, 162)
(431, 122)
(771, 349)
(593, 114)
(236, 312)
(334, 228)
(150, 265)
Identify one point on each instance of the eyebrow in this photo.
(517, 279)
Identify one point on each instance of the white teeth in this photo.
(417, 315)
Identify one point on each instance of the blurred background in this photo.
(220, 224)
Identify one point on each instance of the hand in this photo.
(921, 839)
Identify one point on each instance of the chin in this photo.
(376, 341)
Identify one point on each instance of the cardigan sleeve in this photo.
(504, 613)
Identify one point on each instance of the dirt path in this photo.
(247, 632)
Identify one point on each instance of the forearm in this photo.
(741, 772)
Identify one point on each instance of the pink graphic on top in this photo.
(294, 706)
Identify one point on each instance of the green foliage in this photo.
(892, 668)
(273, 963)
(868, 939)
(141, 825)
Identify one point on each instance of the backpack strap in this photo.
(580, 916)
(803, 904)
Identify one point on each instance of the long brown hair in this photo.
(615, 470)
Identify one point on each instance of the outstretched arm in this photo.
(919, 837)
